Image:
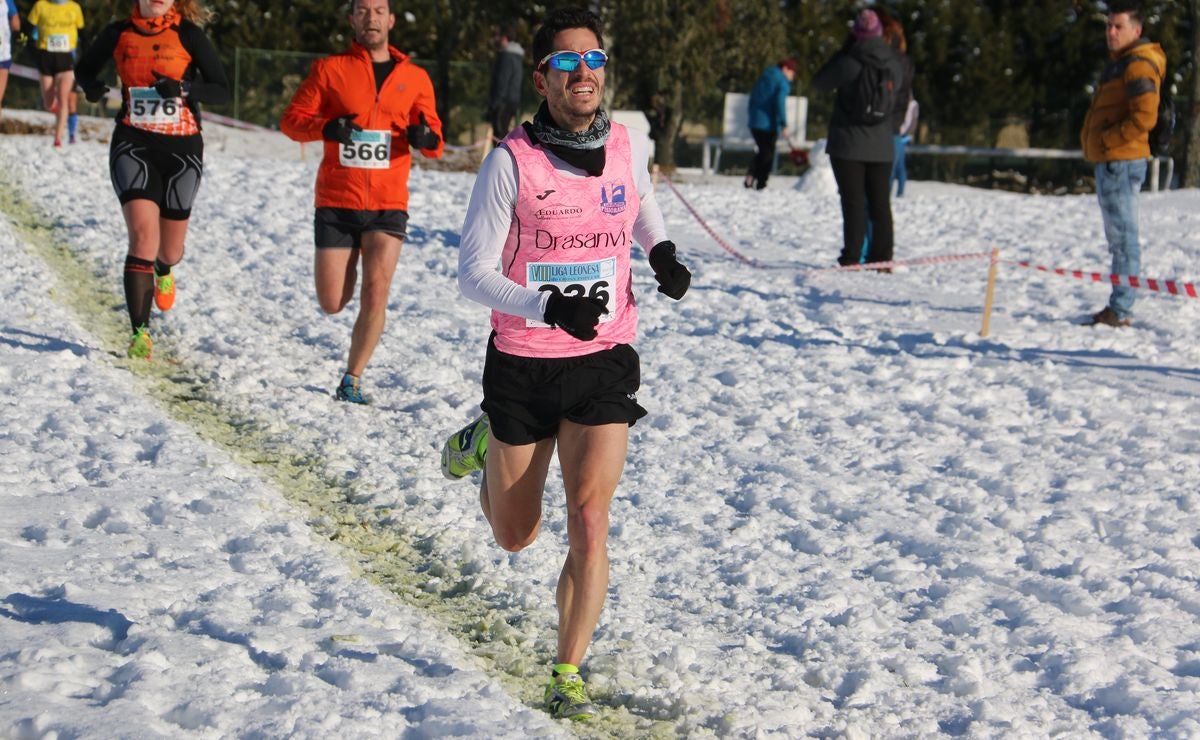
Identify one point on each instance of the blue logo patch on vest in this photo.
(616, 204)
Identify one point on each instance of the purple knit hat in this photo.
(867, 25)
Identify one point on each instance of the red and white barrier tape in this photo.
(235, 123)
(1173, 287)
(717, 237)
(934, 260)
(940, 259)
(467, 147)
(29, 73)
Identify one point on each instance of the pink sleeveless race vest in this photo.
(572, 235)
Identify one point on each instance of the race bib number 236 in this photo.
(585, 279)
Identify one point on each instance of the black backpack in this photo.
(874, 94)
(1160, 135)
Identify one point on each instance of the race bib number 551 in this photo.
(589, 279)
(371, 150)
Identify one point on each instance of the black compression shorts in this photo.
(527, 397)
(342, 228)
(157, 167)
(51, 63)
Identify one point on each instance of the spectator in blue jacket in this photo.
(768, 118)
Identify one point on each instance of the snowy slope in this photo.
(847, 514)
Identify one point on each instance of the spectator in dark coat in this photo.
(504, 94)
(767, 118)
(861, 153)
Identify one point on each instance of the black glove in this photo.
(340, 129)
(94, 91)
(420, 136)
(166, 87)
(576, 315)
(673, 278)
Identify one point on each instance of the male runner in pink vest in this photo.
(557, 206)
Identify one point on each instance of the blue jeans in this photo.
(899, 172)
(1117, 186)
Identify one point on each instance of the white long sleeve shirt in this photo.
(489, 219)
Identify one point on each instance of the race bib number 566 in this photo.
(588, 279)
(370, 150)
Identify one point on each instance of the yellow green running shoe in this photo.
(140, 344)
(466, 450)
(164, 291)
(566, 694)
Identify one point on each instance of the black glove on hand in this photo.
(420, 136)
(340, 129)
(673, 278)
(94, 91)
(166, 87)
(576, 315)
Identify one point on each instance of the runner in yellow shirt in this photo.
(57, 24)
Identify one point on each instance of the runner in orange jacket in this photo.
(372, 106)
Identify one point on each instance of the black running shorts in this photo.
(157, 167)
(527, 397)
(51, 63)
(342, 228)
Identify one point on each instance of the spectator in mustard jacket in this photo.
(1116, 138)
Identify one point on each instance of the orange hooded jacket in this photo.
(1125, 106)
(344, 84)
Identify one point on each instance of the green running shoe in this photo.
(566, 695)
(140, 344)
(466, 450)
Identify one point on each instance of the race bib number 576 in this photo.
(587, 279)
(147, 107)
(370, 150)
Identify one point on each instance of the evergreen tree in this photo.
(667, 58)
(1189, 108)
(979, 63)
(815, 30)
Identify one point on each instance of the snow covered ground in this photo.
(847, 514)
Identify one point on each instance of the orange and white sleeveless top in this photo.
(145, 47)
